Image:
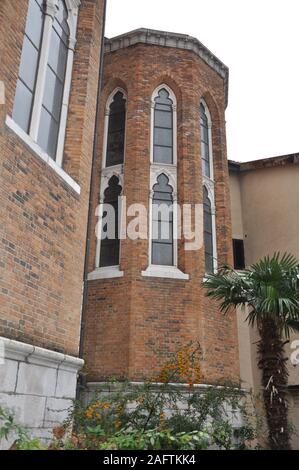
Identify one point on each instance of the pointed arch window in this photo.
(110, 243)
(163, 128)
(116, 130)
(205, 141)
(162, 222)
(42, 93)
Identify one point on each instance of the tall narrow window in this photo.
(43, 86)
(54, 84)
(162, 222)
(109, 250)
(205, 144)
(208, 232)
(29, 65)
(163, 128)
(116, 130)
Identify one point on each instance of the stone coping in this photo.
(168, 39)
(184, 387)
(31, 354)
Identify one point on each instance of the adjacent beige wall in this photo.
(265, 213)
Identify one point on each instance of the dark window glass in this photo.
(163, 128)
(162, 222)
(109, 252)
(54, 86)
(204, 134)
(208, 232)
(29, 65)
(238, 250)
(116, 131)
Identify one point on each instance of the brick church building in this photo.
(86, 120)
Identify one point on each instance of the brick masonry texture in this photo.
(42, 220)
(134, 323)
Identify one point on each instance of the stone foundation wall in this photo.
(38, 385)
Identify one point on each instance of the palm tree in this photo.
(271, 290)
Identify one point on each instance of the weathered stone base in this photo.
(38, 385)
(103, 388)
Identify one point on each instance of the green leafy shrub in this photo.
(159, 414)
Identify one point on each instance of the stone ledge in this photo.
(28, 353)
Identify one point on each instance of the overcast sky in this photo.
(258, 40)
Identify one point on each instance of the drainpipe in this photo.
(80, 384)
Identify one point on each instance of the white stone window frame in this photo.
(170, 171)
(50, 10)
(107, 272)
(209, 184)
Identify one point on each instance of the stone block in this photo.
(8, 375)
(36, 380)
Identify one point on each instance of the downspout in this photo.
(80, 384)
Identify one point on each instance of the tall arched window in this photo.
(109, 244)
(162, 222)
(54, 84)
(116, 130)
(108, 250)
(163, 127)
(209, 211)
(43, 87)
(205, 144)
(163, 246)
(26, 83)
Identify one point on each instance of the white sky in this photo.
(258, 40)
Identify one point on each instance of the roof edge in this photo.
(168, 39)
(272, 162)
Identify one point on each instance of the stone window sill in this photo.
(105, 273)
(13, 126)
(170, 272)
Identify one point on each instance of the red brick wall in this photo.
(42, 220)
(134, 323)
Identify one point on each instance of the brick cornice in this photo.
(167, 39)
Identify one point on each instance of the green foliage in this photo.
(155, 415)
(8, 427)
(270, 287)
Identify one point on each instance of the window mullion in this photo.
(66, 96)
(50, 10)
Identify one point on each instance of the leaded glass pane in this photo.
(163, 128)
(162, 222)
(109, 252)
(116, 131)
(28, 66)
(22, 106)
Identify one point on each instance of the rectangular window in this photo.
(239, 257)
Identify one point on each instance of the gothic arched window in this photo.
(162, 222)
(116, 130)
(163, 128)
(205, 142)
(109, 248)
